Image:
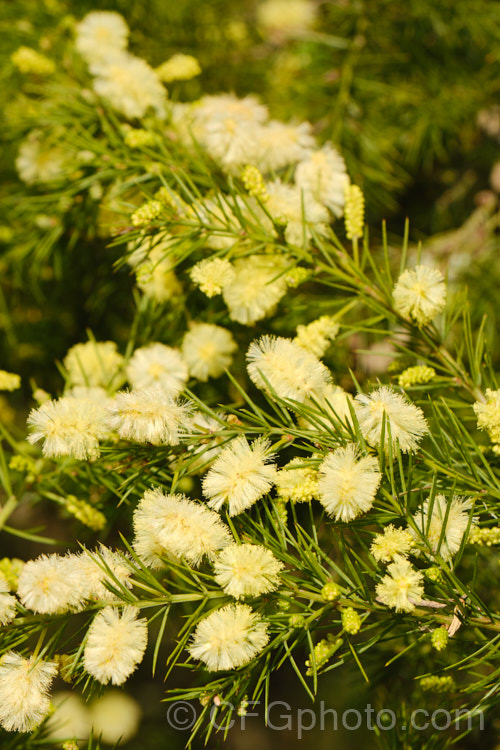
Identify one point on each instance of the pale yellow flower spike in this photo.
(179, 67)
(354, 212)
(254, 183)
(416, 375)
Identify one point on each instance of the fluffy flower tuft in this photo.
(156, 279)
(420, 294)
(24, 684)
(247, 570)
(297, 210)
(52, 584)
(317, 336)
(39, 163)
(323, 175)
(148, 416)
(69, 427)
(101, 33)
(173, 526)
(453, 515)
(240, 475)
(207, 350)
(488, 417)
(271, 358)
(347, 483)
(402, 587)
(116, 643)
(229, 638)
(129, 85)
(331, 407)
(157, 365)
(392, 542)
(278, 144)
(7, 602)
(388, 411)
(256, 288)
(93, 363)
(212, 275)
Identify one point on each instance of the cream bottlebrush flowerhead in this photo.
(94, 363)
(299, 209)
(225, 127)
(431, 518)
(129, 84)
(402, 587)
(212, 275)
(69, 427)
(289, 369)
(230, 143)
(240, 476)
(223, 106)
(157, 365)
(247, 570)
(7, 602)
(347, 483)
(37, 162)
(229, 638)
(256, 288)
(116, 642)
(24, 684)
(323, 175)
(488, 417)
(404, 421)
(317, 336)
(207, 350)
(278, 144)
(172, 525)
(148, 416)
(100, 33)
(392, 542)
(156, 278)
(420, 294)
(52, 584)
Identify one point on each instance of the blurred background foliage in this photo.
(397, 86)
(408, 91)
